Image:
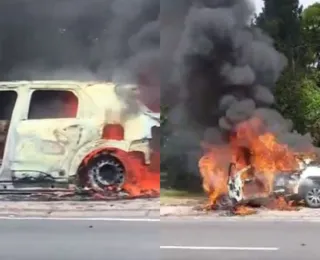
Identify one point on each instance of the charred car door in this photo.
(47, 137)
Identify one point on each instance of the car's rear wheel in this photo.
(105, 171)
(312, 196)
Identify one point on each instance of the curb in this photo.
(79, 214)
(215, 219)
(134, 208)
(188, 212)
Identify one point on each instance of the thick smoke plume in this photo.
(223, 72)
(81, 40)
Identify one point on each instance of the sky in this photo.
(305, 3)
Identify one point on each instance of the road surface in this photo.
(78, 239)
(138, 239)
(239, 240)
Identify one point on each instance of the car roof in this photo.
(70, 84)
(47, 84)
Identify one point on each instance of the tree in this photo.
(282, 21)
(303, 103)
(311, 32)
(296, 33)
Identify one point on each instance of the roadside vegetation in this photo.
(181, 197)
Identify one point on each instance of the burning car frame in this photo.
(247, 186)
(262, 170)
(57, 134)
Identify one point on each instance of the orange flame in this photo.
(248, 145)
(141, 178)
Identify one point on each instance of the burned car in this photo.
(247, 185)
(57, 133)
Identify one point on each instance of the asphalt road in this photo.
(79, 240)
(139, 239)
(239, 240)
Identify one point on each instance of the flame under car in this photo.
(249, 187)
(54, 134)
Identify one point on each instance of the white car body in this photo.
(56, 147)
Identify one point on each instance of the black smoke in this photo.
(223, 72)
(81, 40)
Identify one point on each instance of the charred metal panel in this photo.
(51, 140)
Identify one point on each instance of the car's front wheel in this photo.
(312, 196)
(225, 202)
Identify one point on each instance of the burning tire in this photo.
(312, 196)
(105, 171)
(225, 202)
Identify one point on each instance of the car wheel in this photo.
(224, 202)
(312, 196)
(106, 171)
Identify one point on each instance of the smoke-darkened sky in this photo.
(81, 39)
(92, 35)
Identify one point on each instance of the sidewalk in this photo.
(127, 208)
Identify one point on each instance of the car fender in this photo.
(94, 146)
(309, 176)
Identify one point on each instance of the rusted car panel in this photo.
(53, 149)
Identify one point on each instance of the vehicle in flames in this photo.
(301, 185)
(91, 134)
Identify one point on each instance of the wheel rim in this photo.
(224, 201)
(107, 172)
(313, 197)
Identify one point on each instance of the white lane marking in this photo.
(226, 248)
(83, 219)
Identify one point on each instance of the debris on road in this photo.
(76, 194)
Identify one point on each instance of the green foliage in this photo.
(297, 34)
(311, 32)
(309, 105)
(282, 21)
(302, 106)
